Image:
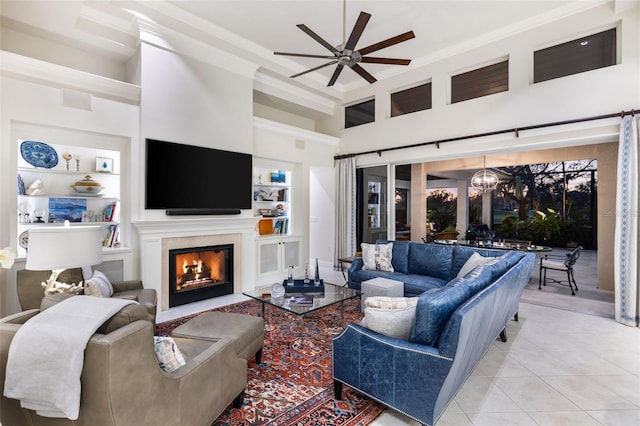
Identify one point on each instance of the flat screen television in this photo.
(187, 179)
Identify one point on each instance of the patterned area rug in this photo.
(293, 385)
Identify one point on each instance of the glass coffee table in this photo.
(302, 303)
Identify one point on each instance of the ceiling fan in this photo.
(345, 53)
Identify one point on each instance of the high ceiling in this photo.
(255, 29)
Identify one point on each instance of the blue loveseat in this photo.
(456, 321)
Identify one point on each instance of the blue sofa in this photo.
(456, 321)
(419, 266)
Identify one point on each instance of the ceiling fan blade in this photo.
(315, 68)
(335, 75)
(357, 68)
(317, 38)
(386, 43)
(304, 55)
(357, 31)
(389, 61)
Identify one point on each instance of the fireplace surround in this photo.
(157, 237)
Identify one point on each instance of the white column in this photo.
(462, 212)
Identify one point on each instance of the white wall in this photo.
(192, 102)
(322, 215)
(591, 93)
(313, 181)
(26, 102)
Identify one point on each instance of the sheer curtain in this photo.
(625, 257)
(345, 230)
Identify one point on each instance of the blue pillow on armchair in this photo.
(434, 308)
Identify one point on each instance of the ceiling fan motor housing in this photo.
(349, 58)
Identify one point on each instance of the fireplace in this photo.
(199, 273)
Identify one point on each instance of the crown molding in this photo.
(184, 45)
(37, 71)
(287, 91)
(168, 27)
(308, 135)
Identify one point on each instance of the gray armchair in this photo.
(31, 292)
(123, 385)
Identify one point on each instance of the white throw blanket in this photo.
(46, 355)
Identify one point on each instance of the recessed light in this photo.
(584, 43)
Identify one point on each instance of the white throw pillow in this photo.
(169, 356)
(389, 302)
(473, 261)
(391, 316)
(98, 285)
(377, 257)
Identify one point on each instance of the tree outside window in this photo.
(441, 208)
(548, 203)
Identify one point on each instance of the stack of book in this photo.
(301, 300)
(281, 226)
(111, 235)
(110, 212)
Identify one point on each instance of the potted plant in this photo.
(448, 233)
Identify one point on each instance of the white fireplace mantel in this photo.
(183, 227)
(241, 231)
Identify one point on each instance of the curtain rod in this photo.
(515, 130)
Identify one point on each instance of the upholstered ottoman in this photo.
(247, 331)
(381, 287)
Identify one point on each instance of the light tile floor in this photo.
(558, 367)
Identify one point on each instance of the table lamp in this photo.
(57, 248)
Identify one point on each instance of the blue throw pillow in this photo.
(433, 311)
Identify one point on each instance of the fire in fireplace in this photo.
(199, 273)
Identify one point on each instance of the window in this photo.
(576, 56)
(554, 203)
(361, 113)
(411, 100)
(480, 82)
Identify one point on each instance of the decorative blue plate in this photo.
(39, 154)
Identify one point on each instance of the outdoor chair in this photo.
(566, 264)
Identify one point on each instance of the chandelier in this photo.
(484, 180)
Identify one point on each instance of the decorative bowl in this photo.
(87, 186)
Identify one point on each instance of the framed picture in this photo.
(104, 165)
(71, 209)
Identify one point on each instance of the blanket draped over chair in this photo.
(46, 355)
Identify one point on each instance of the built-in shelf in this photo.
(271, 201)
(56, 184)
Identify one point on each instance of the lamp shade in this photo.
(64, 247)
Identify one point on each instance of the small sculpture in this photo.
(77, 158)
(52, 286)
(277, 290)
(306, 274)
(36, 188)
(290, 276)
(316, 277)
(67, 157)
(269, 195)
